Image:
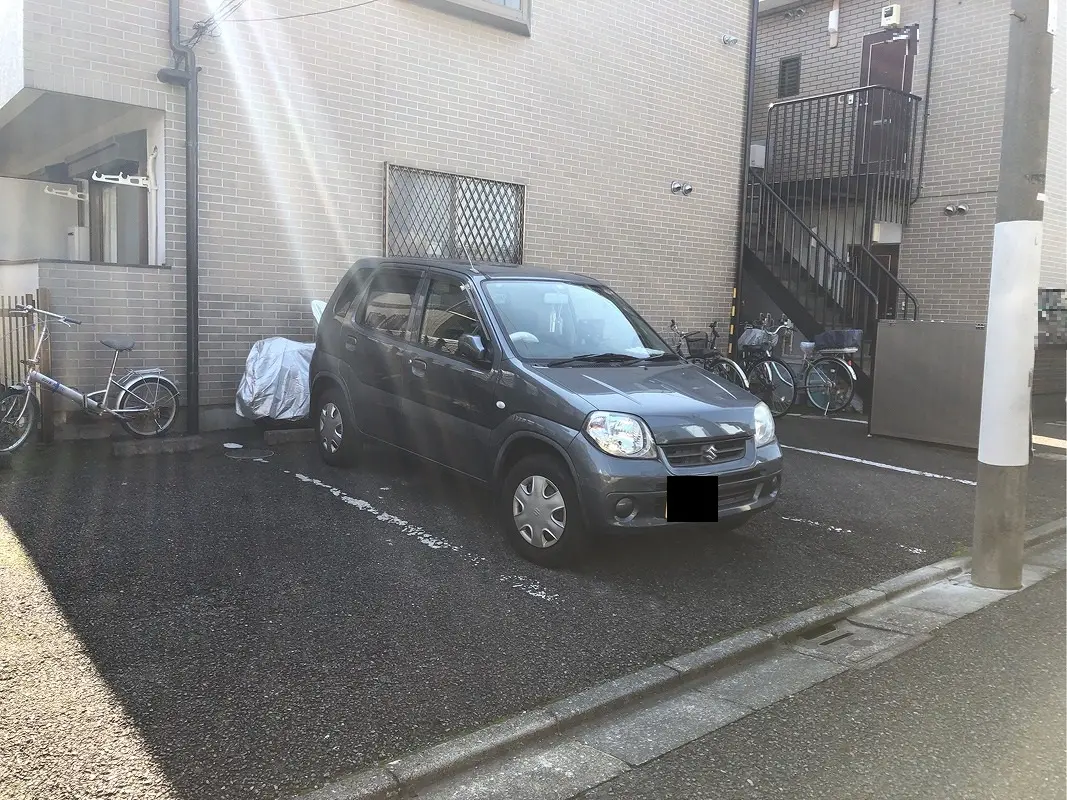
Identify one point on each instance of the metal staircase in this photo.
(838, 167)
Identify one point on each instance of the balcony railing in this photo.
(855, 145)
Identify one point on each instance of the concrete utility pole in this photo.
(1011, 323)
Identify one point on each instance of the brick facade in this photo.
(596, 113)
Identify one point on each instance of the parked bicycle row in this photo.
(826, 376)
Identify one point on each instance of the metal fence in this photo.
(440, 215)
(18, 340)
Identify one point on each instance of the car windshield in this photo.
(553, 321)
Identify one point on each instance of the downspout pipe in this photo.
(184, 73)
(926, 106)
(750, 99)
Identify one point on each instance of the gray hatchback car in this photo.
(545, 385)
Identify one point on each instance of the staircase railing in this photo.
(850, 146)
(822, 281)
(894, 299)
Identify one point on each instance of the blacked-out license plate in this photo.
(692, 498)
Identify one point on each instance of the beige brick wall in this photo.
(597, 112)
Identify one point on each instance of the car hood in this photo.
(678, 402)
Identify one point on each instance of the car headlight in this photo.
(764, 424)
(622, 435)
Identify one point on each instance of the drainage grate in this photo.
(846, 643)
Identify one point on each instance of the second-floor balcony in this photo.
(855, 145)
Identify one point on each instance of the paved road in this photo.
(978, 712)
(268, 624)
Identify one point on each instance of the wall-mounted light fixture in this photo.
(795, 13)
(956, 209)
(729, 39)
(682, 188)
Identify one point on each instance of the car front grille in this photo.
(706, 452)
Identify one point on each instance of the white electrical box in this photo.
(78, 244)
(757, 155)
(891, 16)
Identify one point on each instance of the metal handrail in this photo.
(896, 281)
(841, 93)
(814, 236)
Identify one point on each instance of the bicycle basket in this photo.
(838, 340)
(697, 344)
(757, 338)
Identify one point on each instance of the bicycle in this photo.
(144, 396)
(705, 354)
(829, 377)
(769, 378)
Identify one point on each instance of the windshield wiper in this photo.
(595, 358)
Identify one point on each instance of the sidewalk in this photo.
(977, 712)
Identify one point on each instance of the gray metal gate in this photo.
(928, 382)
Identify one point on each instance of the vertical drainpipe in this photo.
(750, 98)
(185, 74)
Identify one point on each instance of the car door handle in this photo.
(418, 367)
(350, 343)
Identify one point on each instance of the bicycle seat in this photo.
(122, 344)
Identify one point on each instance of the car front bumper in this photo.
(747, 486)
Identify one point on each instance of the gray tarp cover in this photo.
(275, 382)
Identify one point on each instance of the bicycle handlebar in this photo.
(21, 309)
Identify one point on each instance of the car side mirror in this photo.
(472, 348)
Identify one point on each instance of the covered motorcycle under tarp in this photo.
(275, 381)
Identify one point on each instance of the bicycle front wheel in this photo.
(772, 382)
(727, 370)
(149, 407)
(19, 413)
(829, 385)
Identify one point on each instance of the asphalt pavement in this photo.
(268, 623)
(977, 712)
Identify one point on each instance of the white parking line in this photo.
(814, 524)
(880, 465)
(1048, 441)
(523, 583)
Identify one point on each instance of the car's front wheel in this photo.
(541, 516)
(336, 432)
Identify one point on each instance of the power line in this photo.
(309, 13)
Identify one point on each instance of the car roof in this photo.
(485, 269)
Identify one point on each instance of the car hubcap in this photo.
(539, 511)
(330, 428)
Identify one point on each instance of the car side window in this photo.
(449, 314)
(350, 292)
(389, 300)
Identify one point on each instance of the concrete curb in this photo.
(145, 447)
(419, 768)
(1043, 533)
(288, 435)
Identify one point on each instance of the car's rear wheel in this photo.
(541, 515)
(335, 429)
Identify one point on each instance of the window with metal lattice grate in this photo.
(439, 215)
(789, 77)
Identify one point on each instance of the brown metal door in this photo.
(889, 255)
(883, 117)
